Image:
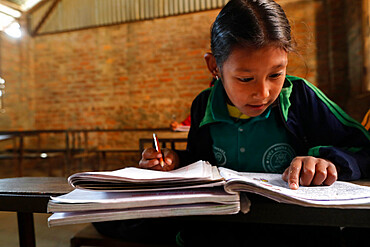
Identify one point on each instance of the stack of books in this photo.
(196, 189)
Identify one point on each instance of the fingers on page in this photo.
(293, 176)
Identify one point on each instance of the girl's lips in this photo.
(257, 106)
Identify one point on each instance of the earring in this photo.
(215, 74)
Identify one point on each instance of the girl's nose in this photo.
(262, 90)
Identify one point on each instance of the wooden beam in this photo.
(47, 14)
(11, 5)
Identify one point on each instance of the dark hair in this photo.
(250, 23)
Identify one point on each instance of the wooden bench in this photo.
(58, 157)
(18, 153)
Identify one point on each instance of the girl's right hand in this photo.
(150, 159)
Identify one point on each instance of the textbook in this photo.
(132, 193)
(132, 179)
(83, 206)
(196, 189)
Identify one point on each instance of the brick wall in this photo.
(131, 75)
(358, 96)
(15, 63)
(142, 74)
(139, 74)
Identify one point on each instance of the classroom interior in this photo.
(84, 84)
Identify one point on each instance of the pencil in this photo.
(158, 149)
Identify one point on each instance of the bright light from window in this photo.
(5, 21)
(13, 30)
(8, 23)
(10, 11)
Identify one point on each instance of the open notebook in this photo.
(196, 189)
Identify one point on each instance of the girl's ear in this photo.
(211, 64)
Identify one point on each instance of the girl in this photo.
(258, 119)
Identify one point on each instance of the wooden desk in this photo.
(266, 211)
(28, 195)
(102, 155)
(162, 141)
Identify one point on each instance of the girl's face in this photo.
(253, 79)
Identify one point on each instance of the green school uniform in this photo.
(256, 144)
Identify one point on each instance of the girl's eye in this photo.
(246, 79)
(276, 75)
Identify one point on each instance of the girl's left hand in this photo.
(308, 170)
